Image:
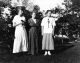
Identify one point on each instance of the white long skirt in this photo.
(47, 42)
(21, 40)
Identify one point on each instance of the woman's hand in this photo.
(9, 25)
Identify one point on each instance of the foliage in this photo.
(69, 21)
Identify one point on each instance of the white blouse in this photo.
(48, 23)
(17, 19)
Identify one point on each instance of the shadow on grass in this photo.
(62, 48)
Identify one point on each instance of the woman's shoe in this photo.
(49, 53)
(45, 53)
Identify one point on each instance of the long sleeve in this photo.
(16, 21)
(53, 22)
(43, 21)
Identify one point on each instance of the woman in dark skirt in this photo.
(33, 38)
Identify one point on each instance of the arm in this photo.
(15, 21)
(53, 22)
(15, 24)
(37, 23)
(53, 26)
(42, 28)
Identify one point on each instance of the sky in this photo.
(48, 4)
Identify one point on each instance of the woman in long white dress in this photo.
(21, 39)
(47, 25)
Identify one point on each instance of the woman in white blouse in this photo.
(21, 39)
(48, 24)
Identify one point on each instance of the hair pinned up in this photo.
(48, 11)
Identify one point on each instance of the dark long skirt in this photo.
(33, 41)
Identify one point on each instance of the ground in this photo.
(67, 53)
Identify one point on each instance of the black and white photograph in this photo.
(39, 31)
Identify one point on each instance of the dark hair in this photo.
(33, 12)
(19, 8)
(48, 11)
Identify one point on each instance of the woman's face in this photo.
(49, 14)
(33, 15)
